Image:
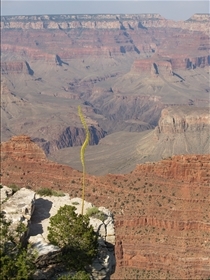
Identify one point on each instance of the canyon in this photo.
(50, 66)
(142, 82)
(161, 210)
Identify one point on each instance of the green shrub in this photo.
(16, 262)
(14, 188)
(45, 192)
(80, 275)
(92, 211)
(95, 213)
(75, 202)
(49, 192)
(73, 234)
(57, 193)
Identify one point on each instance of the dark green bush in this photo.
(16, 262)
(80, 275)
(73, 234)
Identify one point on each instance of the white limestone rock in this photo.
(5, 192)
(23, 206)
(41, 246)
(22, 203)
(19, 207)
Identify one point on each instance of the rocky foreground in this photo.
(35, 212)
(162, 221)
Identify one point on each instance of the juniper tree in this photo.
(74, 235)
(16, 261)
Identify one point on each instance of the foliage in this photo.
(80, 275)
(16, 262)
(73, 234)
(14, 188)
(49, 192)
(75, 202)
(92, 211)
(95, 213)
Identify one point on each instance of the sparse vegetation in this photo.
(75, 203)
(80, 275)
(49, 192)
(14, 188)
(95, 213)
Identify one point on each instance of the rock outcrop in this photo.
(19, 208)
(181, 167)
(166, 66)
(13, 67)
(34, 211)
(183, 119)
(69, 137)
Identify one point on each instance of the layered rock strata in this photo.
(111, 35)
(131, 22)
(161, 210)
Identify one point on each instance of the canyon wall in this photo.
(181, 119)
(111, 35)
(195, 23)
(69, 137)
(161, 209)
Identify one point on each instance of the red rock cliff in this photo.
(161, 214)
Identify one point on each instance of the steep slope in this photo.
(49, 127)
(180, 130)
(161, 209)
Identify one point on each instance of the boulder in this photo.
(19, 208)
(5, 192)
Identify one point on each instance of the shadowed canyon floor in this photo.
(161, 209)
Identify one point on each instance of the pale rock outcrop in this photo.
(35, 213)
(19, 207)
(104, 264)
(5, 192)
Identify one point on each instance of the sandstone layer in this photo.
(161, 209)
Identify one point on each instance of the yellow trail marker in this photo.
(82, 153)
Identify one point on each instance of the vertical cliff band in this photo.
(82, 153)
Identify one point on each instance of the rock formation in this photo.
(34, 211)
(124, 70)
(182, 119)
(125, 27)
(50, 65)
(161, 209)
(181, 130)
(51, 136)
